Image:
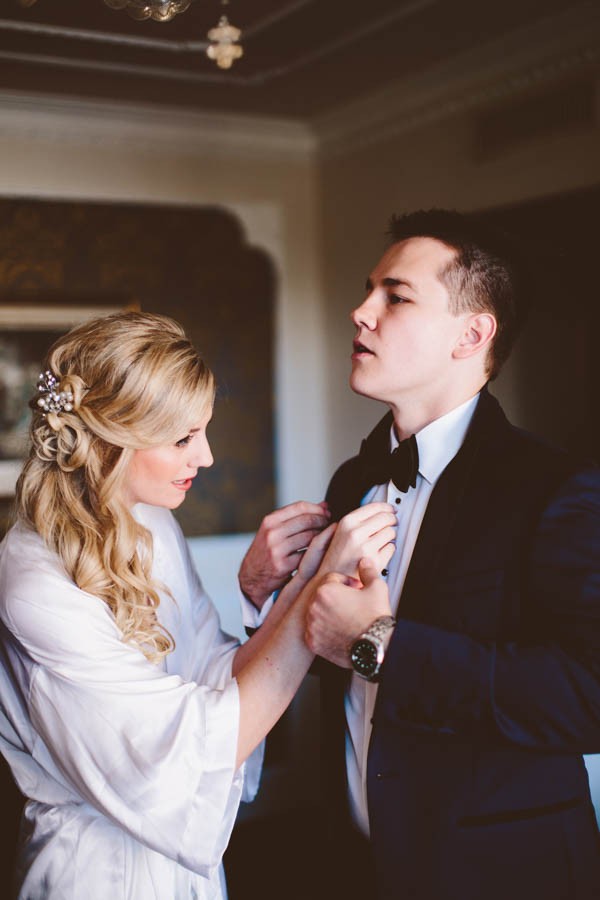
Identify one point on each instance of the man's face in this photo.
(405, 332)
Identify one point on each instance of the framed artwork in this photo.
(26, 334)
(60, 258)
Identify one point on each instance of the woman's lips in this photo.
(184, 484)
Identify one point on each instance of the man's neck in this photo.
(412, 417)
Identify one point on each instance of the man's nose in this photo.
(365, 315)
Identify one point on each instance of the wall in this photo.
(395, 166)
(434, 166)
(317, 200)
(264, 172)
(514, 119)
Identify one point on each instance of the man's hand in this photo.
(368, 531)
(276, 550)
(341, 608)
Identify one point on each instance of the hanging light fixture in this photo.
(159, 10)
(224, 49)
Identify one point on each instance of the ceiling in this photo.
(302, 58)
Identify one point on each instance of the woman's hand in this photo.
(314, 554)
(367, 532)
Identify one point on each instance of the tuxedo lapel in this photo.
(442, 517)
(443, 510)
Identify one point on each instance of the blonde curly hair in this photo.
(137, 382)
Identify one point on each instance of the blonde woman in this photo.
(131, 722)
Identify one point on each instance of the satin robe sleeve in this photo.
(151, 750)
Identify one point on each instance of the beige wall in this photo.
(322, 219)
(434, 165)
(266, 174)
(262, 171)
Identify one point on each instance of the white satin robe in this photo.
(129, 766)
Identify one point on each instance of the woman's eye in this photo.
(184, 441)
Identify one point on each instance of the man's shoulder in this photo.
(540, 448)
(521, 457)
(348, 485)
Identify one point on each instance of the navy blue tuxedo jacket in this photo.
(490, 691)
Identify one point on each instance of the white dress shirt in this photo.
(130, 767)
(438, 444)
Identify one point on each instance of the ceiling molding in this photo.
(133, 40)
(554, 49)
(192, 76)
(149, 129)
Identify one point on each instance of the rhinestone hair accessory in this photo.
(51, 399)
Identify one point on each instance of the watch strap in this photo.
(379, 627)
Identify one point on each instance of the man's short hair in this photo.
(486, 274)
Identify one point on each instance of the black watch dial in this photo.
(364, 657)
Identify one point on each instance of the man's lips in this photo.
(360, 348)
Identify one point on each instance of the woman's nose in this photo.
(202, 457)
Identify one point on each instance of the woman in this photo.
(130, 721)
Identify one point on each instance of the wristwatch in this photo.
(368, 650)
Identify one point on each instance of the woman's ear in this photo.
(477, 335)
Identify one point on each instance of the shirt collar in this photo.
(440, 441)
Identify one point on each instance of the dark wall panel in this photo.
(193, 264)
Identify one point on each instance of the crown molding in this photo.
(193, 75)
(151, 129)
(554, 49)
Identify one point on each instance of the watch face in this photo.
(364, 657)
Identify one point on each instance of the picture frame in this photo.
(26, 333)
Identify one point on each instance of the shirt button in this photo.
(385, 572)
(398, 499)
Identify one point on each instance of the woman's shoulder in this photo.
(23, 553)
(35, 590)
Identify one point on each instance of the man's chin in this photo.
(361, 386)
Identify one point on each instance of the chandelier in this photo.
(159, 10)
(223, 49)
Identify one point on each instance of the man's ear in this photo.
(478, 333)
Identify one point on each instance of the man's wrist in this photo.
(257, 601)
(367, 651)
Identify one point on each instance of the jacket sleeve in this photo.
(542, 694)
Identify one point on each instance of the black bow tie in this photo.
(401, 466)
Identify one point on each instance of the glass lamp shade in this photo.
(223, 49)
(159, 10)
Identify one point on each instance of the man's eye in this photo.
(396, 298)
(184, 441)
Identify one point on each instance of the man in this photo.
(468, 670)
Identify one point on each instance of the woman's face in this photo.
(160, 476)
